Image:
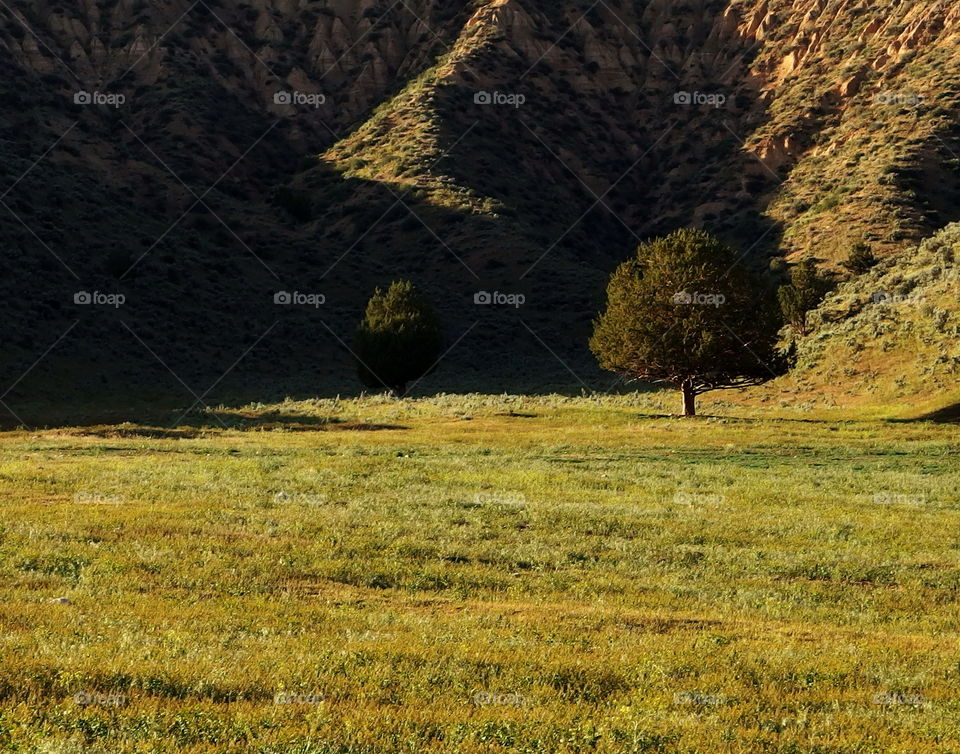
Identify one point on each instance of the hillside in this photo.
(890, 336)
(810, 125)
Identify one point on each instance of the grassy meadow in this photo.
(481, 574)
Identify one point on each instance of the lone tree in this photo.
(805, 290)
(686, 312)
(398, 339)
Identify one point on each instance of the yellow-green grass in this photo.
(481, 574)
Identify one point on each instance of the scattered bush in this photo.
(398, 340)
(804, 292)
(861, 259)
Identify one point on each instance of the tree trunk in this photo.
(689, 399)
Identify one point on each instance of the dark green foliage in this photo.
(805, 290)
(398, 340)
(687, 312)
(861, 259)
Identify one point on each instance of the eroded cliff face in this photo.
(345, 143)
(354, 53)
(335, 40)
(832, 98)
(799, 80)
(822, 105)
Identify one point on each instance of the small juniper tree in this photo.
(805, 290)
(687, 312)
(398, 339)
(861, 259)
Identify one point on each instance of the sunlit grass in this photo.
(481, 574)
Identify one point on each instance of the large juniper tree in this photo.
(399, 339)
(686, 311)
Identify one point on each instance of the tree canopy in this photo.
(688, 312)
(398, 340)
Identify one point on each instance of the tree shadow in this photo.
(946, 415)
(155, 424)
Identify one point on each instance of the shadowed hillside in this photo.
(513, 146)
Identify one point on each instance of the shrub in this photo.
(398, 339)
(804, 292)
(861, 259)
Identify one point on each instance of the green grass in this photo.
(481, 574)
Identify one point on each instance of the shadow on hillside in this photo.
(201, 311)
(946, 415)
